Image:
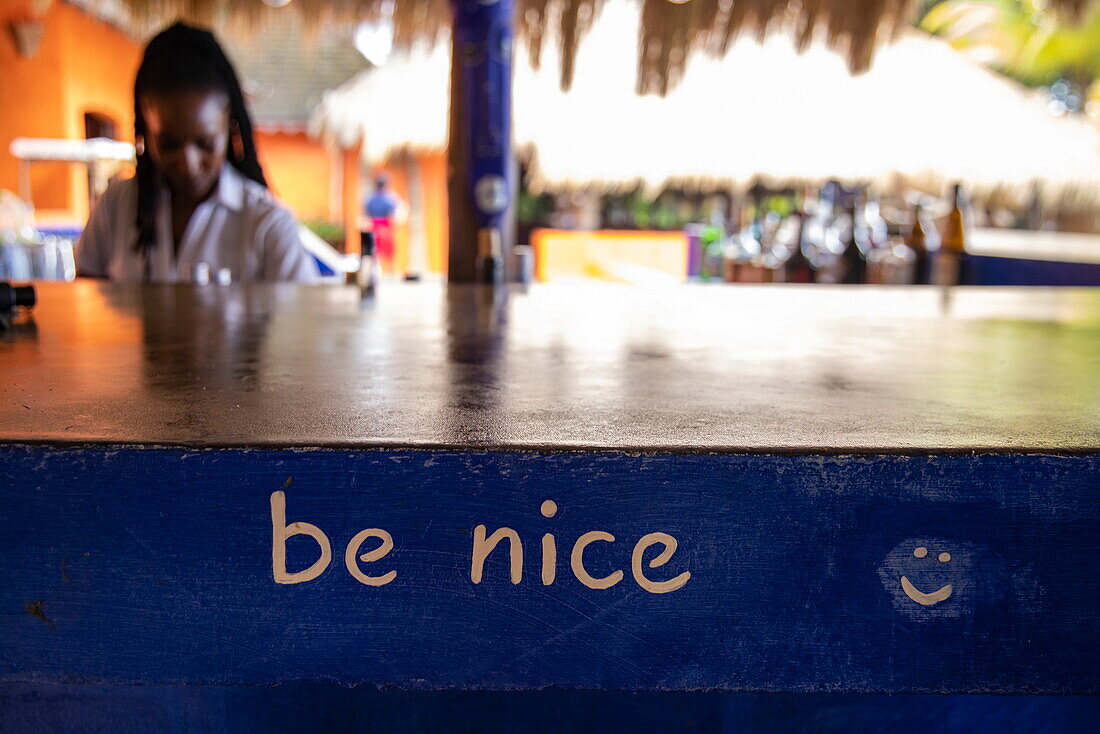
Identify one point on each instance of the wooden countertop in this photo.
(700, 368)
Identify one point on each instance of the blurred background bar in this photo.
(762, 157)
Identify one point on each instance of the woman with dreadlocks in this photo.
(199, 201)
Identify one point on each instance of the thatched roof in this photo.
(923, 114)
(672, 31)
(284, 71)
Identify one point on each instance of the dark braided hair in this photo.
(183, 58)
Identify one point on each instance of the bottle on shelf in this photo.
(490, 260)
(950, 263)
(854, 268)
(734, 259)
(891, 263)
(917, 241)
(752, 247)
(769, 262)
(741, 248)
(871, 230)
(367, 276)
(711, 240)
(818, 235)
(798, 268)
(787, 248)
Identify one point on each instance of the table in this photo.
(748, 488)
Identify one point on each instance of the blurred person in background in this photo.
(199, 203)
(383, 208)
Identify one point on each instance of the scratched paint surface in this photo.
(155, 566)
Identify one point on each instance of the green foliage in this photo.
(532, 209)
(639, 210)
(780, 204)
(330, 232)
(1022, 38)
(710, 236)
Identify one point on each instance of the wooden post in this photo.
(352, 196)
(461, 218)
(479, 158)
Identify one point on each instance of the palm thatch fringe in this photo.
(671, 31)
(730, 125)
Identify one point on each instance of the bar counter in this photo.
(707, 488)
(704, 368)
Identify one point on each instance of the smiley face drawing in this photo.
(934, 597)
(929, 578)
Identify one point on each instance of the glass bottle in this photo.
(367, 276)
(950, 262)
(854, 260)
(917, 241)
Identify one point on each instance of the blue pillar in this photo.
(480, 159)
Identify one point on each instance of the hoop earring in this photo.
(236, 140)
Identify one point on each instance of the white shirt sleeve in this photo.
(93, 249)
(284, 256)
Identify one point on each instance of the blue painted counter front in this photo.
(155, 565)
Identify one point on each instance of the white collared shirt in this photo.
(239, 227)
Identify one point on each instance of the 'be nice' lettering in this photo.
(483, 546)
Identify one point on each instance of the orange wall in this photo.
(302, 173)
(83, 65)
(31, 101)
(433, 174)
(100, 63)
(351, 196)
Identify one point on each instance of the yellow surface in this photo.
(640, 257)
